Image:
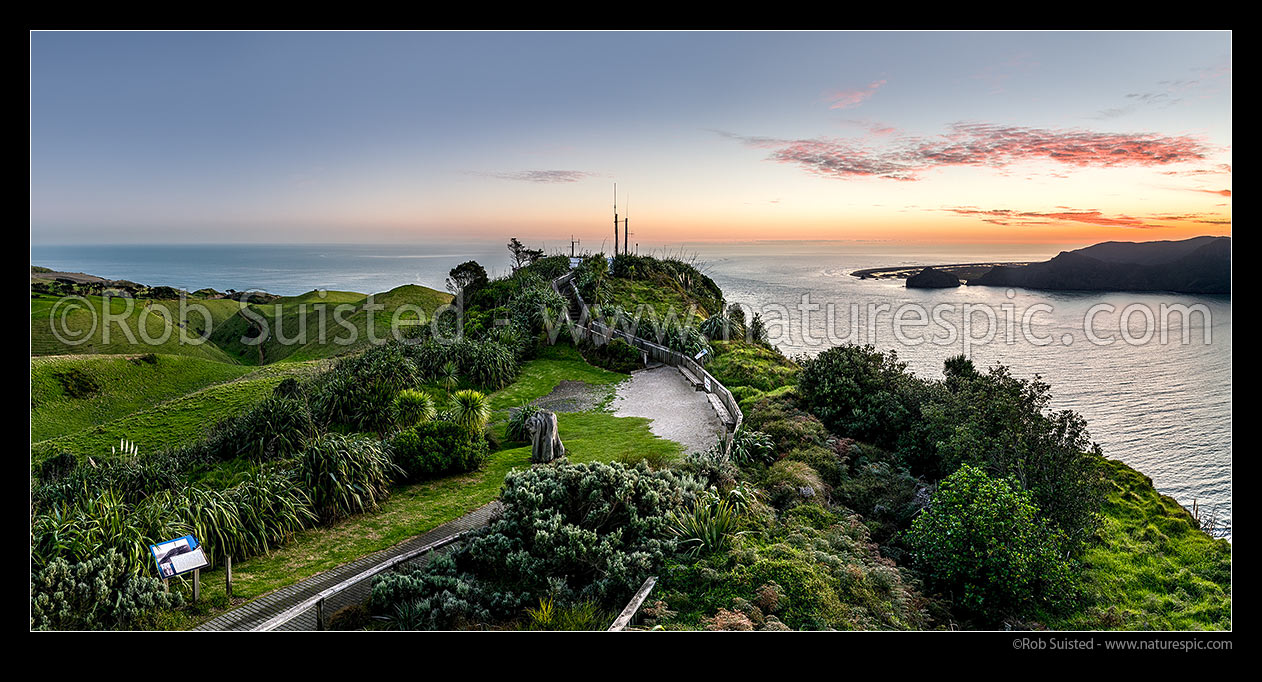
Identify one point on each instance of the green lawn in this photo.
(553, 365)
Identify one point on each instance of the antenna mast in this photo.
(626, 227)
(615, 218)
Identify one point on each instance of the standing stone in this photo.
(545, 441)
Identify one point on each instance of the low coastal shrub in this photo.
(99, 593)
(438, 447)
(615, 356)
(575, 532)
(779, 415)
(741, 364)
(805, 568)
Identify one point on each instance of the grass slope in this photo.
(133, 326)
(178, 421)
(309, 327)
(1151, 568)
(737, 363)
(76, 392)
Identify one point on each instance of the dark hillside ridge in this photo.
(1201, 265)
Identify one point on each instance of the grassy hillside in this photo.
(76, 392)
(1150, 567)
(299, 328)
(737, 363)
(134, 326)
(178, 421)
(309, 327)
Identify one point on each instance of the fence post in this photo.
(319, 614)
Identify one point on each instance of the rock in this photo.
(932, 279)
(545, 441)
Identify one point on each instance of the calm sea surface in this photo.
(1154, 384)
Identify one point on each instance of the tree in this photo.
(862, 393)
(983, 542)
(998, 422)
(522, 256)
(466, 278)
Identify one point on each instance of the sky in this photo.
(409, 137)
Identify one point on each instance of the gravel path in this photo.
(573, 396)
(679, 412)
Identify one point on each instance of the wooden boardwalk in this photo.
(254, 613)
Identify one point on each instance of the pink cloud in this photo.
(1003, 216)
(845, 99)
(979, 144)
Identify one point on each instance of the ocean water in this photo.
(1151, 373)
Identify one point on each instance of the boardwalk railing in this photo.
(600, 333)
(624, 618)
(317, 601)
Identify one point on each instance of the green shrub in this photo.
(830, 462)
(472, 410)
(615, 356)
(708, 527)
(886, 495)
(1003, 424)
(788, 482)
(78, 384)
(438, 447)
(983, 542)
(779, 416)
(350, 617)
(359, 391)
(861, 393)
(752, 447)
(97, 594)
(737, 363)
(273, 429)
(584, 616)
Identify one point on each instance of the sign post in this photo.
(180, 556)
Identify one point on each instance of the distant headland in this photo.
(1201, 265)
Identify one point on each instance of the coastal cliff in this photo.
(1201, 265)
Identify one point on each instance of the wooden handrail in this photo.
(317, 600)
(624, 619)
